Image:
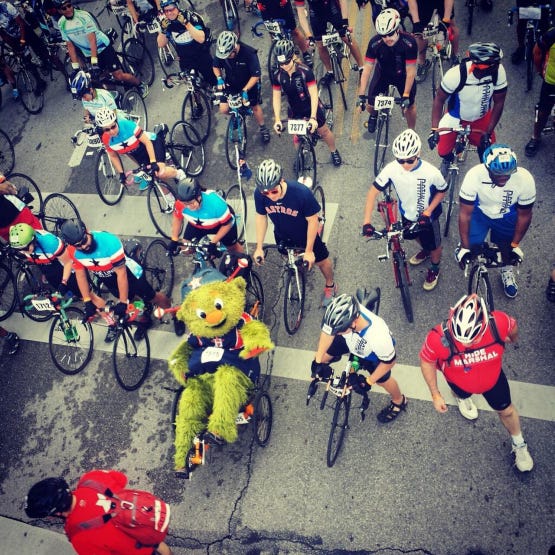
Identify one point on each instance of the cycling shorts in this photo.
(138, 287)
(140, 154)
(429, 236)
(547, 97)
(24, 217)
(108, 59)
(201, 62)
(323, 14)
(426, 10)
(447, 140)
(229, 239)
(320, 250)
(379, 84)
(283, 12)
(498, 397)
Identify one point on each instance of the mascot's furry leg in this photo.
(194, 406)
(230, 389)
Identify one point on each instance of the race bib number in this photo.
(429, 32)
(212, 354)
(42, 305)
(119, 10)
(153, 27)
(94, 141)
(328, 40)
(235, 101)
(297, 126)
(273, 27)
(384, 102)
(530, 12)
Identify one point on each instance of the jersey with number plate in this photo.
(295, 87)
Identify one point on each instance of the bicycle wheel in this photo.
(139, 60)
(30, 93)
(452, 180)
(7, 154)
(470, 8)
(479, 283)
(106, 179)
(57, 210)
(326, 98)
(160, 207)
(35, 202)
(231, 16)
(131, 358)
(186, 153)
(169, 59)
(272, 61)
(293, 300)
(339, 77)
(158, 267)
(339, 424)
(197, 110)
(236, 134)
(254, 302)
(175, 405)
(29, 281)
(400, 266)
(306, 162)
(235, 197)
(528, 56)
(262, 418)
(8, 295)
(437, 74)
(382, 143)
(70, 341)
(318, 193)
(134, 106)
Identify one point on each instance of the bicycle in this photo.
(277, 31)
(236, 134)
(338, 386)
(440, 48)
(7, 154)
(231, 16)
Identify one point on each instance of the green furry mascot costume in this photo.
(217, 362)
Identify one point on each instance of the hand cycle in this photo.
(236, 134)
(7, 154)
(440, 48)
(338, 385)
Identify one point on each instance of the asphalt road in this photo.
(425, 484)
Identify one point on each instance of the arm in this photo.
(313, 91)
(323, 345)
(198, 35)
(123, 284)
(381, 370)
(413, 11)
(83, 283)
(132, 11)
(6, 188)
(311, 232)
(94, 49)
(251, 83)
(276, 105)
(176, 226)
(261, 226)
(115, 159)
(409, 79)
(512, 336)
(72, 51)
(437, 106)
(523, 220)
(21, 24)
(222, 232)
(149, 147)
(430, 376)
(303, 20)
(367, 71)
(448, 9)
(436, 201)
(161, 40)
(67, 263)
(370, 203)
(465, 215)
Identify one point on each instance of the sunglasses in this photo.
(484, 66)
(110, 128)
(393, 33)
(271, 192)
(407, 160)
(65, 6)
(170, 9)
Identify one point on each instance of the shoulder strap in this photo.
(445, 333)
(464, 75)
(495, 331)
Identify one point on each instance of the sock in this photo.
(330, 286)
(518, 440)
(434, 267)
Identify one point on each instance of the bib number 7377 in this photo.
(297, 126)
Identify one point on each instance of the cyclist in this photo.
(402, 6)
(475, 92)
(239, 64)
(468, 350)
(123, 136)
(143, 10)
(518, 55)
(421, 12)
(12, 341)
(10, 77)
(496, 196)
(321, 12)
(190, 37)
(299, 85)
(390, 60)
(13, 210)
(544, 58)
(84, 38)
(420, 188)
(102, 254)
(92, 98)
(294, 212)
(206, 213)
(349, 327)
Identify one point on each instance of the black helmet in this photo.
(340, 314)
(73, 232)
(268, 175)
(188, 189)
(284, 51)
(47, 497)
(485, 53)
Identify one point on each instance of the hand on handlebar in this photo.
(463, 256)
(120, 309)
(361, 103)
(312, 125)
(423, 220)
(433, 139)
(278, 127)
(309, 258)
(368, 230)
(320, 371)
(258, 256)
(516, 255)
(152, 168)
(90, 310)
(405, 102)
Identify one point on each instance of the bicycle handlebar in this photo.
(58, 300)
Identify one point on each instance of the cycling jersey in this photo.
(78, 27)
(295, 87)
(473, 101)
(8, 15)
(241, 68)
(181, 37)
(402, 6)
(211, 215)
(127, 139)
(498, 202)
(278, 9)
(393, 60)
(415, 188)
(322, 12)
(47, 249)
(102, 99)
(474, 368)
(144, 7)
(547, 44)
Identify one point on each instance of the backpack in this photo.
(139, 514)
(464, 75)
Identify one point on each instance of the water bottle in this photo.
(71, 333)
(355, 364)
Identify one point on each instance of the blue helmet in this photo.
(500, 159)
(80, 84)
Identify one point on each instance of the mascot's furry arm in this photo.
(179, 362)
(256, 339)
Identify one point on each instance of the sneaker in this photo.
(517, 56)
(444, 168)
(523, 460)
(170, 200)
(336, 158)
(328, 78)
(419, 257)
(15, 94)
(213, 439)
(144, 90)
(550, 291)
(372, 121)
(467, 408)
(265, 134)
(487, 5)
(431, 280)
(328, 294)
(111, 334)
(140, 332)
(307, 57)
(532, 147)
(509, 284)
(12, 343)
(422, 71)
(179, 327)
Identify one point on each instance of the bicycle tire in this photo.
(160, 210)
(7, 154)
(130, 358)
(479, 283)
(400, 265)
(21, 180)
(159, 268)
(71, 342)
(186, 153)
(139, 60)
(106, 179)
(175, 405)
(169, 59)
(8, 293)
(262, 418)
(318, 193)
(231, 16)
(452, 181)
(236, 133)
(272, 61)
(470, 8)
(29, 281)
(306, 162)
(254, 301)
(382, 144)
(326, 97)
(293, 301)
(339, 425)
(437, 75)
(27, 84)
(324, 399)
(57, 209)
(529, 66)
(339, 78)
(197, 111)
(134, 106)
(235, 197)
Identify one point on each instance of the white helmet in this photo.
(406, 145)
(468, 319)
(227, 40)
(105, 117)
(387, 21)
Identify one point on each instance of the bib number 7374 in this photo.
(297, 126)
(384, 102)
(330, 39)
